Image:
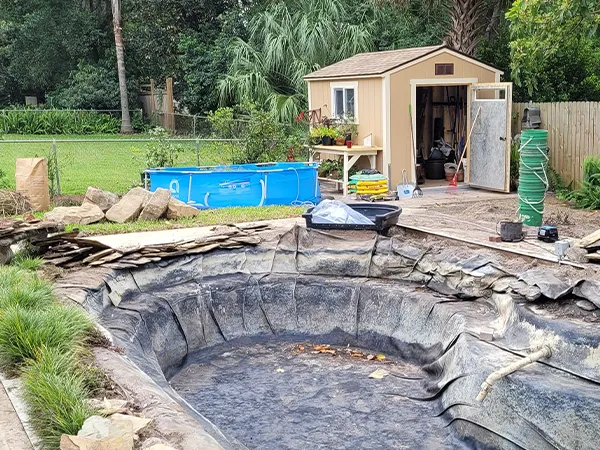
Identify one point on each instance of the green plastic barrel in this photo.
(533, 181)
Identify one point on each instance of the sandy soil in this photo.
(571, 222)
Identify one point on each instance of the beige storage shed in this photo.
(445, 90)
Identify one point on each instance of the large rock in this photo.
(103, 199)
(178, 209)
(79, 215)
(129, 207)
(157, 205)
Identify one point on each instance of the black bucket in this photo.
(510, 231)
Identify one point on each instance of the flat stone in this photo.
(78, 215)
(137, 424)
(6, 254)
(78, 443)
(130, 206)
(178, 209)
(577, 255)
(589, 290)
(586, 305)
(549, 284)
(157, 206)
(108, 406)
(103, 199)
(160, 447)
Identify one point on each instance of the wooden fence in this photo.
(573, 133)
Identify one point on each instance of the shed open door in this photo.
(488, 155)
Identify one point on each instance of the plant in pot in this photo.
(315, 137)
(339, 138)
(328, 135)
(348, 127)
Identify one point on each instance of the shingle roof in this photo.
(374, 63)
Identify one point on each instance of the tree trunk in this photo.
(467, 24)
(126, 127)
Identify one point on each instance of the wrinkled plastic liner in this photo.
(274, 395)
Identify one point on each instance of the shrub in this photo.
(588, 197)
(261, 137)
(56, 395)
(24, 333)
(56, 121)
(160, 152)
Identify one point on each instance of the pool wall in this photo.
(240, 185)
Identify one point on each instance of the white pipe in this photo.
(544, 352)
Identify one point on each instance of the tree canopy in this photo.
(223, 52)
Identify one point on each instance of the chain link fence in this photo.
(112, 164)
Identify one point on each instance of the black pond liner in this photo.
(382, 216)
(310, 286)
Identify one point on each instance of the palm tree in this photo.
(470, 20)
(288, 41)
(125, 117)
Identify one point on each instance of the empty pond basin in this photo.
(278, 395)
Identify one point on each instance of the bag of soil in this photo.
(32, 181)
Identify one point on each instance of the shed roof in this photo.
(377, 63)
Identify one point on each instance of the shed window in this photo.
(344, 102)
(444, 69)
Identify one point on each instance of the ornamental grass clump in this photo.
(26, 332)
(56, 394)
(35, 294)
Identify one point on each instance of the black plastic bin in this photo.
(383, 216)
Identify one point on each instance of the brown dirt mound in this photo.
(12, 204)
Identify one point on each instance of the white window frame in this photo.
(344, 85)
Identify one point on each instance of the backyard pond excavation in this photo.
(318, 339)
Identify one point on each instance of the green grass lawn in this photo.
(219, 216)
(113, 166)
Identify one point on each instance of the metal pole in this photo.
(194, 131)
(55, 157)
(198, 152)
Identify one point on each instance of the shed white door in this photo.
(488, 155)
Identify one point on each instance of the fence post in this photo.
(194, 126)
(57, 176)
(197, 151)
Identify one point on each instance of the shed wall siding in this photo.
(370, 111)
(400, 97)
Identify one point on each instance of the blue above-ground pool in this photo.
(240, 185)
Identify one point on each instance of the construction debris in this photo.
(591, 244)
(67, 251)
(13, 203)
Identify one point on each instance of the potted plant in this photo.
(340, 139)
(315, 136)
(328, 134)
(348, 127)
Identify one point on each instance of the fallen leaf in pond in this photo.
(280, 370)
(380, 357)
(301, 348)
(370, 357)
(357, 354)
(379, 374)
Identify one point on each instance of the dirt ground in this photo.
(575, 223)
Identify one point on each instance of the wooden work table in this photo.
(350, 156)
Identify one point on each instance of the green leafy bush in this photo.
(25, 332)
(160, 152)
(261, 137)
(588, 197)
(56, 121)
(56, 395)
